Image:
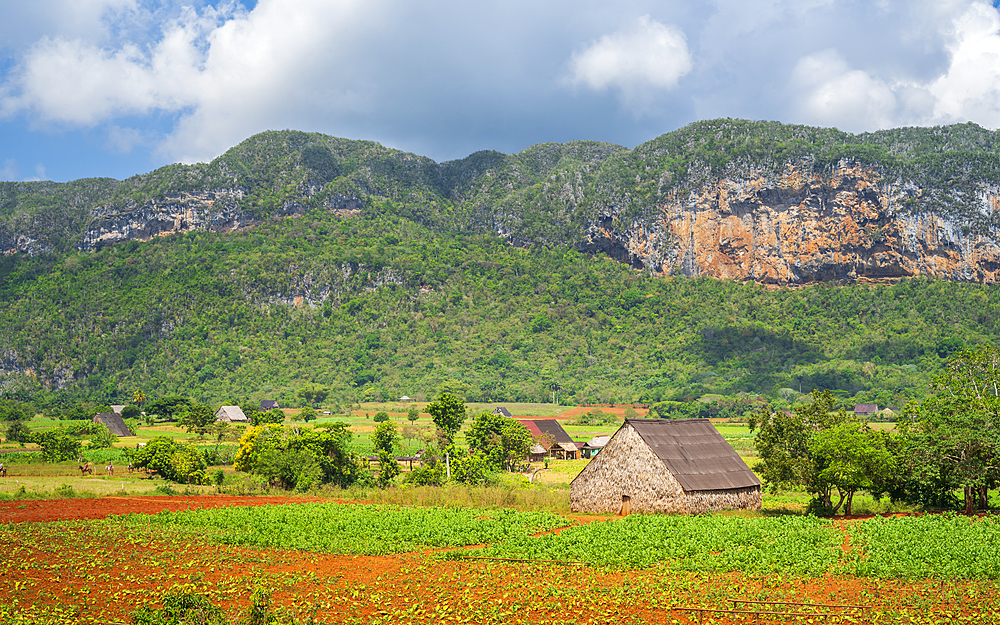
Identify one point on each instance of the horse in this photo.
(3, 471)
(85, 470)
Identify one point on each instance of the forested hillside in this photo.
(572, 270)
(375, 305)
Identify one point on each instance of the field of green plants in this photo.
(350, 529)
(923, 570)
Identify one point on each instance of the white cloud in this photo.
(124, 140)
(649, 55)
(39, 174)
(835, 95)
(10, 170)
(970, 90)
(828, 91)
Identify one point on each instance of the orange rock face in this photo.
(801, 227)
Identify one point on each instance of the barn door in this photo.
(626, 505)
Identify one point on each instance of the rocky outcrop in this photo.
(803, 227)
(177, 212)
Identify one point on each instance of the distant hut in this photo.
(550, 433)
(863, 410)
(663, 465)
(503, 412)
(592, 447)
(231, 414)
(114, 422)
(117, 408)
(269, 404)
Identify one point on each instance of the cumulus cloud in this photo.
(183, 80)
(10, 170)
(650, 55)
(829, 91)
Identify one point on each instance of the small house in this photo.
(665, 465)
(269, 404)
(552, 437)
(405, 399)
(117, 408)
(864, 410)
(114, 422)
(231, 414)
(503, 412)
(592, 447)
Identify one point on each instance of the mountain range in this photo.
(607, 273)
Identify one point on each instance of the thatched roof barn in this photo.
(503, 412)
(114, 422)
(663, 465)
(231, 414)
(269, 404)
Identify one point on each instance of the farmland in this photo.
(98, 571)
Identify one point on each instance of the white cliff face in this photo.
(803, 228)
(208, 210)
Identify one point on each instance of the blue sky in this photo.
(120, 87)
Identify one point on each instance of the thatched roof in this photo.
(268, 404)
(114, 422)
(231, 414)
(695, 453)
(500, 410)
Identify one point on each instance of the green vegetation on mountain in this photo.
(411, 290)
(378, 306)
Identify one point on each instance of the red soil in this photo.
(102, 580)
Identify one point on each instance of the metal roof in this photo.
(551, 427)
(597, 442)
(695, 453)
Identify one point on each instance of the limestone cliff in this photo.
(801, 227)
(731, 199)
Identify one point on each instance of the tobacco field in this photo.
(320, 562)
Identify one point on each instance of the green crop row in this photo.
(351, 529)
(923, 547)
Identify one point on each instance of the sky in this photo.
(120, 87)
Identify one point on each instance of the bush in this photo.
(57, 446)
(181, 609)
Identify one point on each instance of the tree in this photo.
(131, 412)
(955, 435)
(384, 437)
(262, 446)
(268, 416)
(197, 418)
(380, 416)
(784, 442)
(501, 440)
(19, 433)
(388, 467)
(172, 460)
(138, 397)
(313, 394)
(57, 445)
(13, 410)
(307, 414)
(413, 414)
(168, 407)
(101, 437)
(448, 413)
(851, 457)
